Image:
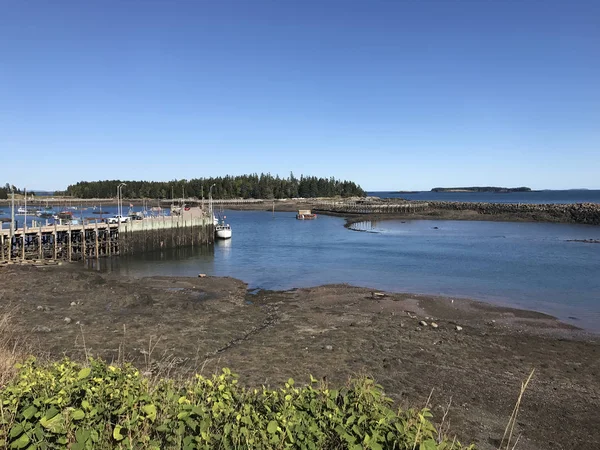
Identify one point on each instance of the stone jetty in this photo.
(585, 213)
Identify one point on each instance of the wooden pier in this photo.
(97, 240)
(344, 207)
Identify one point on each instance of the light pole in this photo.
(12, 213)
(122, 186)
(210, 206)
(119, 200)
(25, 213)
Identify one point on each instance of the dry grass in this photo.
(13, 349)
(510, 427)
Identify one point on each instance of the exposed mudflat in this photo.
(181, 325)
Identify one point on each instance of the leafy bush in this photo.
(66, 405)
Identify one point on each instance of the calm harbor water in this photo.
(527, 265)
(569, 196)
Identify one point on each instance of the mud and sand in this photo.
(177, 326)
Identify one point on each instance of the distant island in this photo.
(482, 189)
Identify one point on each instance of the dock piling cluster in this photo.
(98, 240)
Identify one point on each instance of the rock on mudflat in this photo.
(434, 325)
(73, 304)
(423, 323)
(459, 328)
(67, 320)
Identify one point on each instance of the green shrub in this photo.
(65, 405)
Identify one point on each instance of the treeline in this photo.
(6, 190)
(243, 186)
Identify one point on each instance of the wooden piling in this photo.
(55, 237)
(40, 243)
(96, 241)
(70, 244)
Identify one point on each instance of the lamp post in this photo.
(25, 213)
(210, 206)
(122, 186)
(12, 213)
(119, 199)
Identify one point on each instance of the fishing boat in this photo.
(29, 211)
(222, 229)
(64, 215)
(305, 214)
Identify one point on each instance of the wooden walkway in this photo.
(369, 207)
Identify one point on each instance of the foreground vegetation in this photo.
(244, 186)
(100, 406)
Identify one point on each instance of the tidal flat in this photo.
(476, 355)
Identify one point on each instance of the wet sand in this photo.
(183, 325)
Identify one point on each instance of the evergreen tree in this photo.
(263, 186)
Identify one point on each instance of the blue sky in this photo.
(391, 94)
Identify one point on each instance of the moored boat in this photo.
(223, 231)
(29, 211)
(305, 214)
(64, 215)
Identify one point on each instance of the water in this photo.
(570, 196)
(527, 265)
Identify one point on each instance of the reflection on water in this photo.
(168, 262)
(529, 265)
(368, 226)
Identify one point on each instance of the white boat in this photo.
(223, 231)
(29, 211)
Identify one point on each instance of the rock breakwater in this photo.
(584, 213)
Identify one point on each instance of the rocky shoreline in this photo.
(580, 213)
(583, 213)
(476, 353)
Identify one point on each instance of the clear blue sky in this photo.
(391, 94)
